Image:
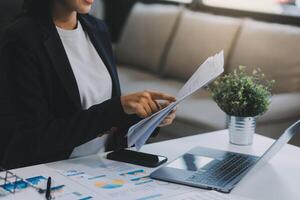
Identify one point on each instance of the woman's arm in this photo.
(40, 134)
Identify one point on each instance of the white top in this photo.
(92, 77)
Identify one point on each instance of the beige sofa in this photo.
(162, 45)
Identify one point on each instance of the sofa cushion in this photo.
(133, 80)
(272, 47)
(283, 107)
(146, 34)
(199, 36)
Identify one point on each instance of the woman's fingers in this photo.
(147, 108)
(174, 110)
(160, 96)
(154, 107)
(171, 116)
(166, 122)
(151, 103)
(163, 104)
(144, 104)
(169, 119)
(141, 112)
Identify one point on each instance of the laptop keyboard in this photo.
(223, 172)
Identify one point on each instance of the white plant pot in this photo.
(241, 130)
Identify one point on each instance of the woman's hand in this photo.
(170, 118)
(144, 104)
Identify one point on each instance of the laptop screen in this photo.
(277, 145)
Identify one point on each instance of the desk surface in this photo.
(279, 179)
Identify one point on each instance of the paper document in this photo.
(139, 133)
(37, 176)
(111, 180)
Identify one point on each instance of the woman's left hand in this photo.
(170, 118)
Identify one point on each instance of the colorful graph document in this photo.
(115, 180)
(139, 133)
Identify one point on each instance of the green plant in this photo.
(242, 95)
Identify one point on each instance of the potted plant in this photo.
(243, 98)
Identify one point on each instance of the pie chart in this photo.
(113, 184)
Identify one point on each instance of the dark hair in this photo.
(37, 7)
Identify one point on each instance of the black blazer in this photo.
(50, 121)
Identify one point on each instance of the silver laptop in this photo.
(218, 170)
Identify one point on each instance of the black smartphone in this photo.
(137, 158)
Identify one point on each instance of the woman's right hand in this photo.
(144, 104)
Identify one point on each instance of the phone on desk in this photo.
(137, 158)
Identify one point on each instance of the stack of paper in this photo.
(139, 133)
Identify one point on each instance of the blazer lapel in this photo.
(62, 65)
(99, 46)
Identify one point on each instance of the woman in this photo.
(66, 90)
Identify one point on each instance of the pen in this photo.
(42, 191)
(48, 190)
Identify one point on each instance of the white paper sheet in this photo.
(116, 180)
(139, 133)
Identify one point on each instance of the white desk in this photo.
(278, 180)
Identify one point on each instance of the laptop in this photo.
(218, 170)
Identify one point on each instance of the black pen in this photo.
(48, 190)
